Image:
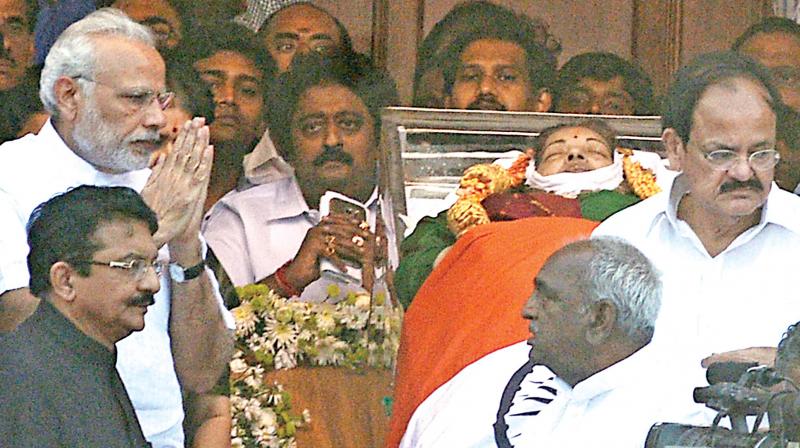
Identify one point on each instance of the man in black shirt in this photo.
(93, 262)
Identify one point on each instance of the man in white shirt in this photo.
(591, 377)
(326, 121)
(724, 236)
(103, 84)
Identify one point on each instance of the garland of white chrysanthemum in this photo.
(275, 333)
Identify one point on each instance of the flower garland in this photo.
(275, 333)
(480, 181)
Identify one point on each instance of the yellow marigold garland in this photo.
(477, 183)
(480, 181)
(641, 180)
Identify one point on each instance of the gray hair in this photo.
(73, 53)
(621, 274)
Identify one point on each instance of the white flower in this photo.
(305, 335)
(284, 360)
(330, 350)
(245, 319)
(267, 420)
(325, 321)
(363, 301)
(238, 365)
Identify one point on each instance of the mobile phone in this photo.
(342, 207)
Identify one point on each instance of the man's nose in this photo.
(487, 84)
(530, 310)
(151, 282)
(332, 135)
(154, 116)
(225, 93)
(741, 170)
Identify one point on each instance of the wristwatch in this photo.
(180, 274)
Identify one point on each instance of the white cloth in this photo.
(569, 185)
(606, 178)
(744, 297)
(32, 170)
(615, 407)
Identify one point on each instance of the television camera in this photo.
(742, 393)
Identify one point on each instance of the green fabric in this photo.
(418, 253)
(599, 205)
(432, 235)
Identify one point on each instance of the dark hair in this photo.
(595, 124)
(466, 18)
(704, 71)
(354, 71)
(541, 63)
(206, 42)
(62, 228)
(229, 36)
(346, 44)
(194, 94)
(604, 66)
(788, 349)
(769, 25)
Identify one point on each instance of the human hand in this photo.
(338, 238)
(762, 355)
(177, 186)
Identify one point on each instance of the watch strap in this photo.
(193, 272)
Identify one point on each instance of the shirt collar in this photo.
(64, 332)
(263, 164)
(620, 374)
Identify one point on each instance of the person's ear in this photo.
(602, 320)
(676, 152)
(542, 101)
(68, 94)
(61, 281)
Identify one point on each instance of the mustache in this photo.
(333, 154)
(752, 183)
(143, 300)
(148, 136)
(486, 101)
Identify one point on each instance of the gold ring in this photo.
(358, 240)
(330, 245)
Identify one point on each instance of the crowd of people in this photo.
(157, 154)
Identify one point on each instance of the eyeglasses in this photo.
(138, 267)
(137, 98)
(725, 159)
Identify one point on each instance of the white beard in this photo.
(99, 143)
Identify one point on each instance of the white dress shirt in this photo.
(744, 297)
(32, 170)
(614, 407)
